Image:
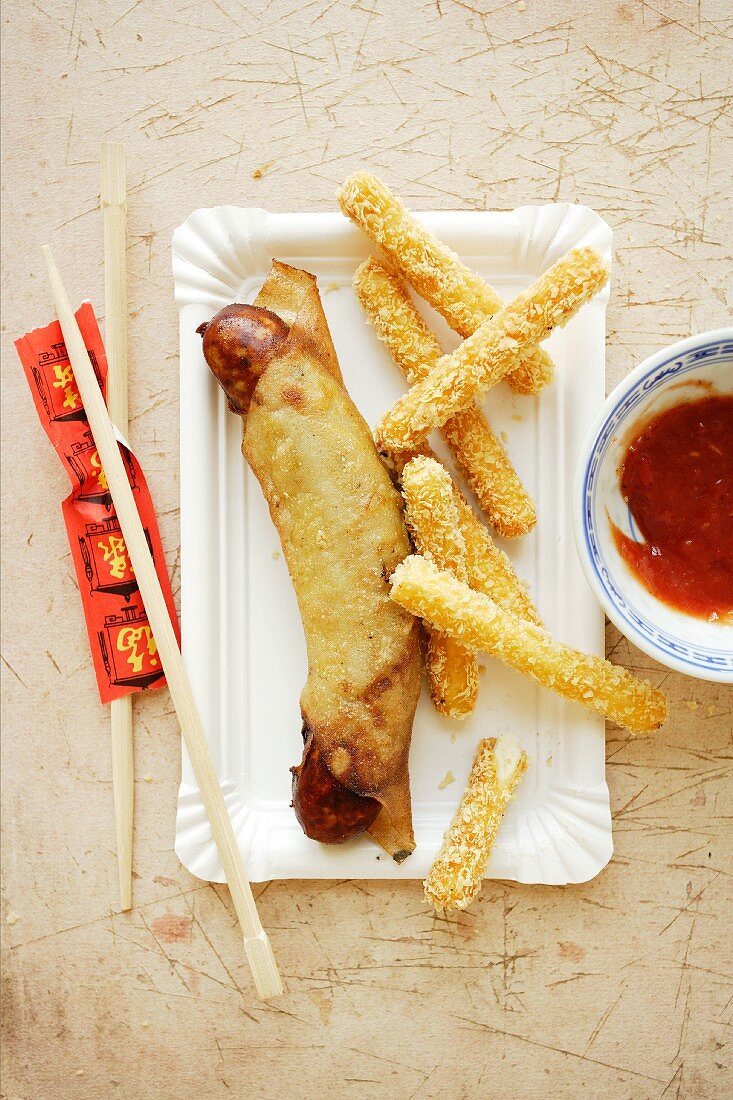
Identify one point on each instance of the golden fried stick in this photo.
(473, 619)
(494, 348)
(458, 869)
(478, 453)
(489, 568)
(435, 271)
(432, 517)
(488, 470)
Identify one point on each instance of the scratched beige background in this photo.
(618, 988)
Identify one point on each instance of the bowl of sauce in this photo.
(653, 506)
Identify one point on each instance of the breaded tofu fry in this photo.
(432, 517)
(478, 453)
(473, 619)
(400, 327)
(435, 271)
(488, 470)
(494, 348)
(489, 569)
(458, 869)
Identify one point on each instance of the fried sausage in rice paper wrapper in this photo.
(340, 523)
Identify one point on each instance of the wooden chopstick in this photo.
(256, 943)
(113, 198)
(114, 211)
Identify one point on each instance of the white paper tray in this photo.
(242, 636)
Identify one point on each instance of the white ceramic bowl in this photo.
(680, 641)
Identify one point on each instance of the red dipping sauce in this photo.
(677, 479)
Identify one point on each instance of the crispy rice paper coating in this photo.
(340, 522)
(293, 295)
(479, 623)
(432, 517)
(457, 872)
(341, 526)
(342, 530)
(479, 455)
(435, 271)
(484, 358)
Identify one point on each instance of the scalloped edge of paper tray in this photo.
(568, 838)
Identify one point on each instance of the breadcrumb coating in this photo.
(485, 357)
(432, 515)
(457, 872)
(475, 620)
(489, 569)
(400, 326)
(435, 271)
(432, 518)
(479, 455)
(488, 470)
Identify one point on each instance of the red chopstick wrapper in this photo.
(123, 647)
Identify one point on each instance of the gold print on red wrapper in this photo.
(128, 649)
(65, 383)
(107, 566)
(115, 555)
(98, 471)
(123, 647)
(54, 380)
(128, 641)
(83, 459)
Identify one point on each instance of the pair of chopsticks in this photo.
(256, 943)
